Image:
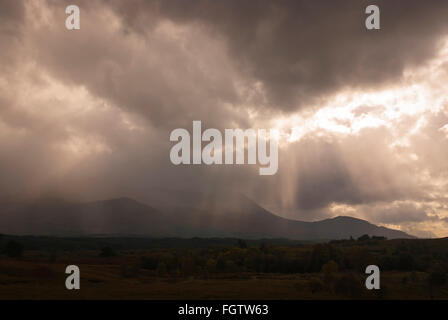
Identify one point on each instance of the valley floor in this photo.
(25, 280)
(123, 268)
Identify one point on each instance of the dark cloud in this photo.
(302, 51)
(12, 15)
(298, 52)
(88, 113)
(169, 75)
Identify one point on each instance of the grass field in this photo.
(40, 274)
(24, 280)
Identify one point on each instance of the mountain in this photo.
(240, 217)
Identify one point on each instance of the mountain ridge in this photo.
(241, 218)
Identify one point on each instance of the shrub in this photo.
(315, 285)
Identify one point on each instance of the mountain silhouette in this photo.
(240, 218)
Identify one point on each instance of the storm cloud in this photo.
(86, 114)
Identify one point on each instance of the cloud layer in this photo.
(363, 116)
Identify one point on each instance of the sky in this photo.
(362, 114)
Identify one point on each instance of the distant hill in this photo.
(240, 217)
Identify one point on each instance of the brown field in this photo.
(34, 277)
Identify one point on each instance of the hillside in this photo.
(242, 218)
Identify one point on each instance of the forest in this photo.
(411, 268)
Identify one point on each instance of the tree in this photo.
(364, 237)
(242, 244)
(221, 264)
(14, 249)
(210, 265)
(330, 269)
(187, 266)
